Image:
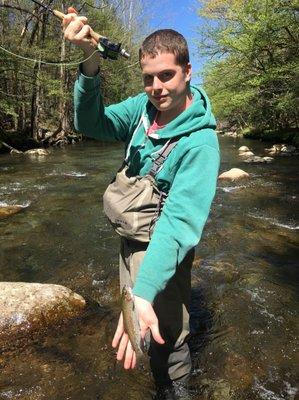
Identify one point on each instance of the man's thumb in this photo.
(71, 10)
(156, 335)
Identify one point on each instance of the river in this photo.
(244, 315)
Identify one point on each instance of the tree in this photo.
(253, 79)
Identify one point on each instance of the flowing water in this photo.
(244, 315)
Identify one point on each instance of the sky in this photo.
(182, 16)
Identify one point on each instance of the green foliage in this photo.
(31, 90)
(254, 80)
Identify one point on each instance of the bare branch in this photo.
(21, 9)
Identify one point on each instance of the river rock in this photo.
(30, 309)
(231, 134)
(281, 149)
(37, 152)
(7, 210)
(243, 149)
(15, 152)
(234, 174)
(246, 154)
(288, 149)
(254, 159)
(216, 389)
(268, 159)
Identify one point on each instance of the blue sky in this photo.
(182, 16)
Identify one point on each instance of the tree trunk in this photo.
(64, 104)
(35, 102)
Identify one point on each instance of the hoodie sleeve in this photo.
(94, 120)
(182, 220)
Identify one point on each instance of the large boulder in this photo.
(234, 174)
(28, 310)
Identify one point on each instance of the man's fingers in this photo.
(122, 347)
(129, 356)
(134, 360)
(76, 21)
(83, 33)
(92, 34)
(119, 331)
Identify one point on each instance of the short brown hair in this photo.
(165, 41)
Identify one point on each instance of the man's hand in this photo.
(147, 320)
(77, 31)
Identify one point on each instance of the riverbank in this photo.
(22, 141)
(289, 136)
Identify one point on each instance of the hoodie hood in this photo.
(197, 116)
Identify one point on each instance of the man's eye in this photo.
(166, 76)
(147, 79)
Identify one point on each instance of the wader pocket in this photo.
(132, 205)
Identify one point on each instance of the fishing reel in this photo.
(110, 50)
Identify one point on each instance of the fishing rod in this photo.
(107, 49)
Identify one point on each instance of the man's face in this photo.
(165, 82)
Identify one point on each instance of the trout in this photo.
(131, 324)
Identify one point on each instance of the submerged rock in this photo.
(234, 174)
(15, 151)
(216, 389)
(246, 154)
(268, 159)
(37, 152)
(29, 309)
(254, 159)
(231, 134)
(7, 210)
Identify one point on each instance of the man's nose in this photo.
(157, 83)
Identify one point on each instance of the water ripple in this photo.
(273, 221)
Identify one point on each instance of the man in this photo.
(170, 111)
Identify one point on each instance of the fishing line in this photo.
(47, 62)
(61, 63)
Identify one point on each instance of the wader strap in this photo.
(162, 155)
(130, 143)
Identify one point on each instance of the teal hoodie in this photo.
(190, 171)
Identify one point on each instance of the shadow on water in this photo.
(244, 308)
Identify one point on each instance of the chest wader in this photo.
(134, 203)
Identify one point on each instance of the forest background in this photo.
(251, 73)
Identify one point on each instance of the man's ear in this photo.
(188, 72)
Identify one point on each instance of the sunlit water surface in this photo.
(244, 306)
